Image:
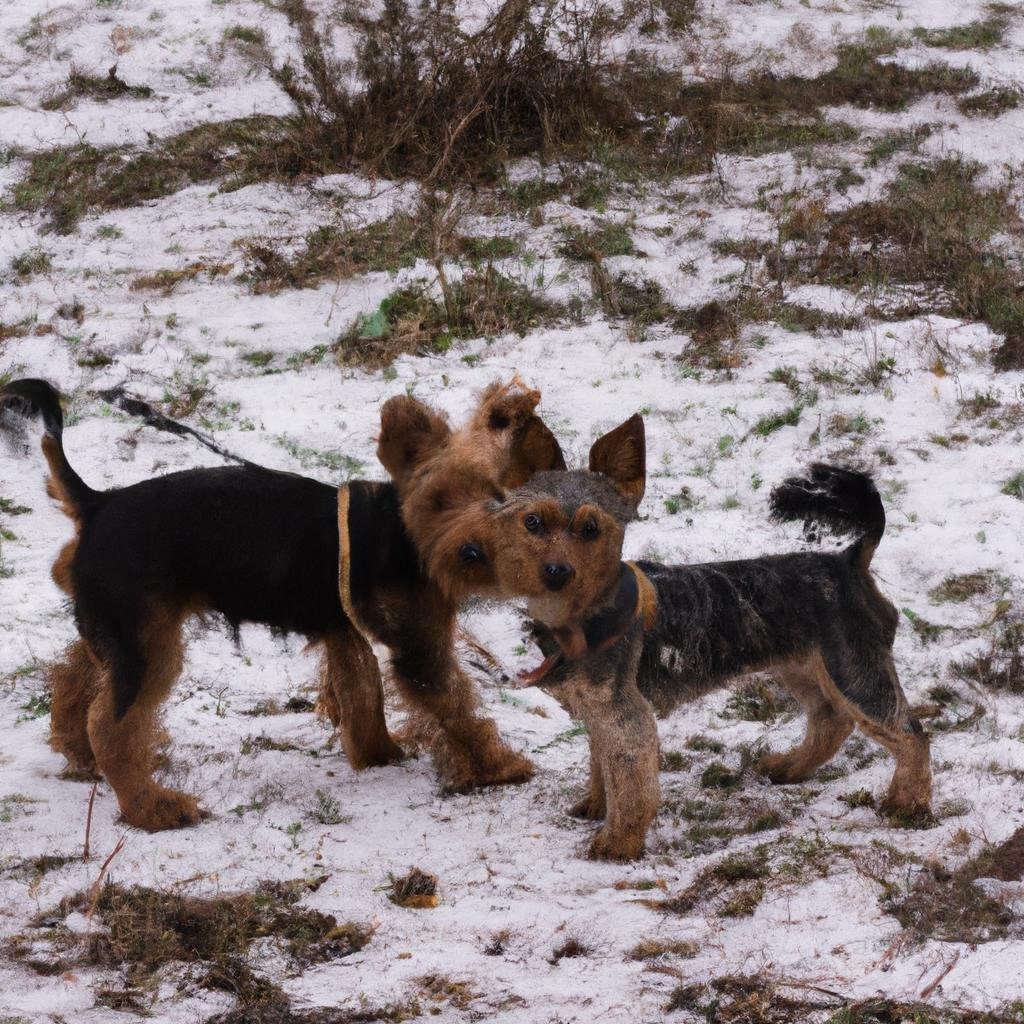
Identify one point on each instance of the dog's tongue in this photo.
(572, 645)
(528, 678)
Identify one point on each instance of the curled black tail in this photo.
(842, 500)
(31, 398)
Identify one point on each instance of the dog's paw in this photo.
(162, 809)
(620, 847)
(509, 770)
(780, 769)
(589, 809)
(907, 814)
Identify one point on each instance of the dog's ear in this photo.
(534, 450)
(505, 407)
(409, 432)
(508, 409)
(621, 455)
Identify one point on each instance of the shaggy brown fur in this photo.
(258, 546)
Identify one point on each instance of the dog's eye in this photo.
(589, 529)
(470, 553)
(532, 522)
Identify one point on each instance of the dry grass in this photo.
(416, 889)
(963, 586)
(982, 34)
(1000, 665)
(658, 949)
(280, 1011)
(144, 930)
(433, 102)
(763, 999)
(442, 989)
(483, 303)
(932, 230)
(330, 253)
(766, 112)
(570, 948)
(107, 87)
(991, 102)
(757, 700)
(606, 238)
(734, 886)
(944, 905)
(165, 281)
(69, 182)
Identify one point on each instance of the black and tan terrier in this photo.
(620, 637)
(256, 545)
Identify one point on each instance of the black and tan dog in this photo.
(256, 545)
(623, 636)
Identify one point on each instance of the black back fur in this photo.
(248, 543)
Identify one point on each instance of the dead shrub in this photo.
(639, 299)
(423, 98)
(714, 330)
(439, 103)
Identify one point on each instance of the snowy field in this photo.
(159, 296)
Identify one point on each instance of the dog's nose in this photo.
(557, 574)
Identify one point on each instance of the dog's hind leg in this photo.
(74, 683)
(352, 695)
(828, 724)
(875, 699)
(909, 797)
(143, 664)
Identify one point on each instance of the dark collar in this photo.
(633, 599)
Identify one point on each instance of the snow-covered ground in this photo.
(508, 859)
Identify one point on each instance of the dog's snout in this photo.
(557, 574)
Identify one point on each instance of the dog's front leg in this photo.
(593, 806)
(443, 701)
(624, 743)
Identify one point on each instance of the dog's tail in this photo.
(36, 399)
(842, 500)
